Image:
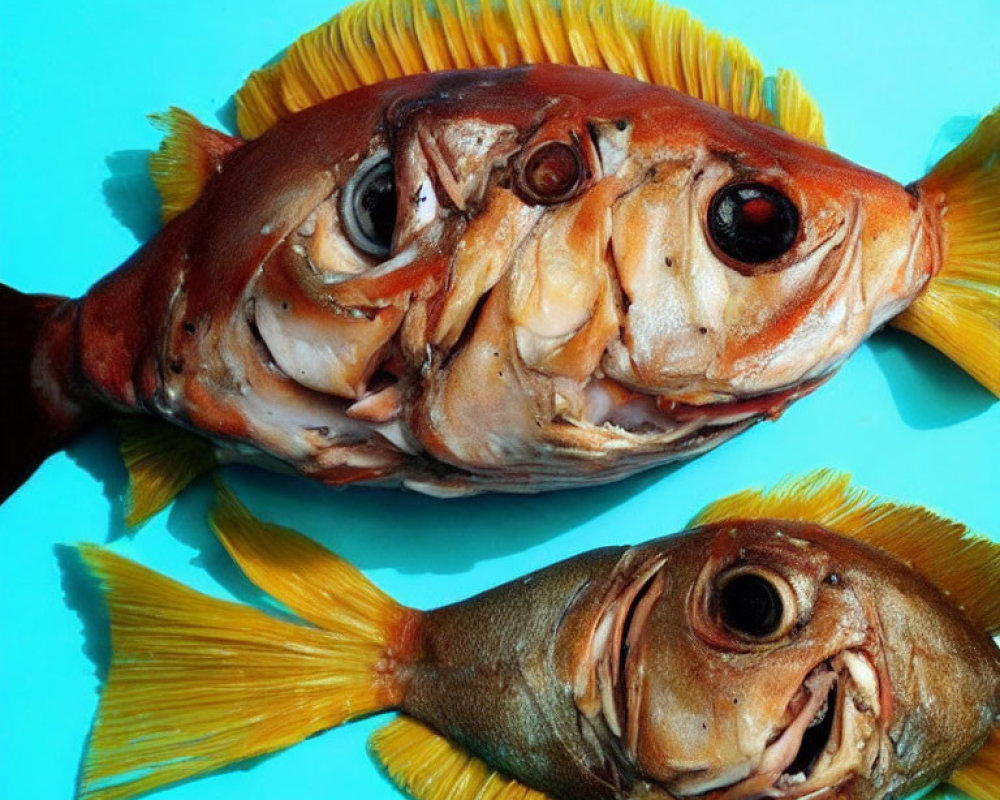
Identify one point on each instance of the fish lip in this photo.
(845, 694)
(768, 404)
(667, 419)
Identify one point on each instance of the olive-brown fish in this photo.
(455, 249)
(781, 648)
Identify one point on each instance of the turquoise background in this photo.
(896, 81)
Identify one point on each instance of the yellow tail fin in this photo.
(197, 683)
(959, 311)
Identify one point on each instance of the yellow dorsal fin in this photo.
(429, 767)
(958, 312)
(979, 777)
(965, 566)
(373, 40)
(189, 155)
(161, 460)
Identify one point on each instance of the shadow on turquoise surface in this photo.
(929, 390)
(409, 532)
(131, 195)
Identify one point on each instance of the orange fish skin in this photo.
(614, 674)
(526, 344)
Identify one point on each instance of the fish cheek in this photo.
(710, 704)
(672, 300)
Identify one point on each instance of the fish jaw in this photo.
(833, 737)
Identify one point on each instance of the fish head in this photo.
(751, 263)
(780, 660)
(562, 274)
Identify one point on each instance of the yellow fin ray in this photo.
(161, 460)
(958, 312)
(644, 39)
(197, 683)
(965, 566)
(188, 156)
(979, 777)
(316, 584)
(429, 767)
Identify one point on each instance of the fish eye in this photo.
(754, 605)
(552, 173)
(368, 206)
(752, 223)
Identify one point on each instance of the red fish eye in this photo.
(552, 173)
(752, 222)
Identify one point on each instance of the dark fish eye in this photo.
(751, 606)
(552, 173)
(368, 206)
(752, 222)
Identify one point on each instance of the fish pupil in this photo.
(377, 207)
(752, 223)
(750, 605)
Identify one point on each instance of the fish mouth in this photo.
(649, 429)
(830, 735)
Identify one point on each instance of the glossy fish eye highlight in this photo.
(752, 223)
(754, 605)
(368, 206)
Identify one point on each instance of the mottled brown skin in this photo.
(505, 674)
(509, 344)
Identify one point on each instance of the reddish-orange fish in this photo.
(514, 278)
(811, 642)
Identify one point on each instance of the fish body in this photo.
(511, 331)
(516, 279)
(745, 658)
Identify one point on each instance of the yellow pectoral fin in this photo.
(951, 557)
(161, 460)
(429, 767)
(979, 777)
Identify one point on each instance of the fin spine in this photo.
(373, 40)
(189, 155)
(428, 766)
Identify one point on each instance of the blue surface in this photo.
(75, 83)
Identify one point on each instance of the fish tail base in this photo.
(198, 683)
(36, 356)
(958, 312)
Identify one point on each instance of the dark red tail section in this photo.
(37, 416)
